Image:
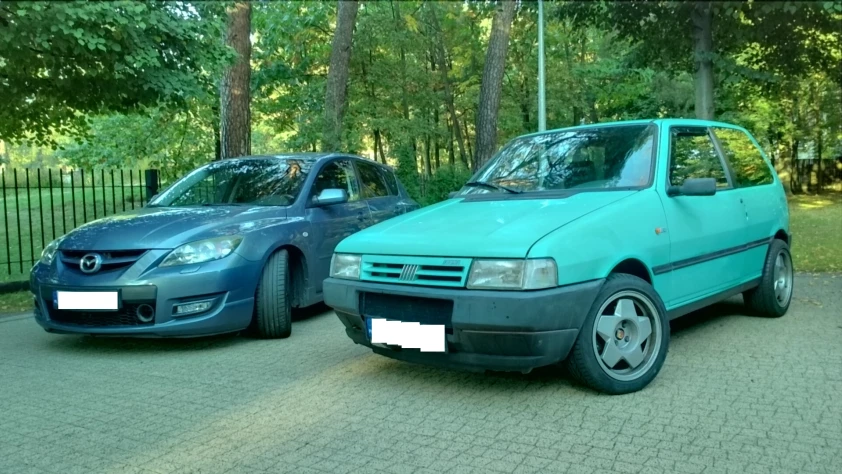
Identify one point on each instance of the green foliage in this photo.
(173, 142)
(446, 180)
(62, 60)
(775, 65)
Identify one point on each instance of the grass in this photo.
(17, 302)
(816, 224)
(50, 218)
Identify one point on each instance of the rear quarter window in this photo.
(391, 181)
(373, 183)
(745, 159)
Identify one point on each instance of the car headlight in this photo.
(532, 274)
(49, 252)
(345, 266)
(202, 251)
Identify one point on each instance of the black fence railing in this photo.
(40, 205)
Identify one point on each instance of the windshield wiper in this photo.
(496, 187)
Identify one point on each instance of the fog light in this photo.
(192, 308)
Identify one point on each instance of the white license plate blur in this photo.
(88, 300)
(427, 337)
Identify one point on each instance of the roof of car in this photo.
(660, 121)
(308, 155)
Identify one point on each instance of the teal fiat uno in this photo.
(576, 245)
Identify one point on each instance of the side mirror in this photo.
(329, 197)
(694, 187)
(452, 194)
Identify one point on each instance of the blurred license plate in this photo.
(426, 337)
(87, 300)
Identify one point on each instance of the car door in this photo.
(381, 195)
(763, 200)
(330, 224)
(705, 232)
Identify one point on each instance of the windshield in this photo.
(261, 182)
(591, 158)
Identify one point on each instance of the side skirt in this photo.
(696, 305)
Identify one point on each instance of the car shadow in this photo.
(301, 314)
(99, 344)
(707, 316)
(173, 344)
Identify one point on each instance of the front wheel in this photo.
(772, 296)
(272, 309)
(623, 343)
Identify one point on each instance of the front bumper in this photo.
(486, 330)
(229, 283)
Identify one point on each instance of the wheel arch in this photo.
(635, 267)
(782, 235)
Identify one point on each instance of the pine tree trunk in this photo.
(337, 75)
(441, 59)
(234, 89)
(491, 89)
(380, 146)
(702, 19)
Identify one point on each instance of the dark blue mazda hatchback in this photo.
(233, 245)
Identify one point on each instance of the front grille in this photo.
(430, 271)
(406, 308)
(126, 316)
(111, 259)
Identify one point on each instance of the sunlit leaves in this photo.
(62, 60)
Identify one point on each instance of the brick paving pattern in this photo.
(737, 394)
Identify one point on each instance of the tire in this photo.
(773, 295)
(272, 309)
(587, 360)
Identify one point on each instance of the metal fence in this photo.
(40, 205)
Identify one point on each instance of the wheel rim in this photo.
(783, 278)
(627, 335)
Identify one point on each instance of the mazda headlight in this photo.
(345, 266)
(202, 251)
(49, 252)
(532, 274)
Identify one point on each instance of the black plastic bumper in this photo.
(486, 330)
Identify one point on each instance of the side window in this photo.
(745, 159)
(373, 183)
(693, 155)
(391, 181)
(337, 175)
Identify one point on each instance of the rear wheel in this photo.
(623, 343)
(772, 296)
(272, 308)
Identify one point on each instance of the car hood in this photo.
(476, 228)
(169, 227)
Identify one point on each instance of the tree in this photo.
(701, 18)
(337, 75)
(492, 83)
(235, 87)
(787, 38)
(62, 60)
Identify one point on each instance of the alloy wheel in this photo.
(627, 335)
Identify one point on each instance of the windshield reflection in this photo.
(259, 182)
(591, 158)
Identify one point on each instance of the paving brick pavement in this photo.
(738, 394)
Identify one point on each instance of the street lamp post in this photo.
(542, 101)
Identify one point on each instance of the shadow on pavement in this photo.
(707, 316)
(98, 344)
(186, 344)
(301, 314)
